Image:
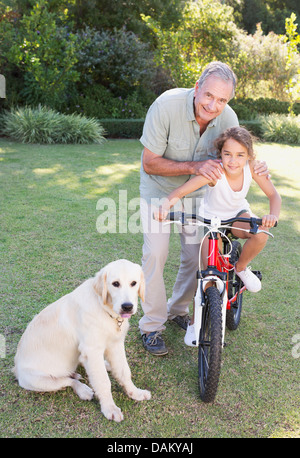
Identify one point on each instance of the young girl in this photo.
(226, 198)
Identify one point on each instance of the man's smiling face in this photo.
(211, 98)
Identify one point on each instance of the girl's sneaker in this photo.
(189, 338)
(250, 280)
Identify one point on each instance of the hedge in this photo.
(133, 128)
(122, 128)
(249, 109)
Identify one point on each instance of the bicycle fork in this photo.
(216, 278)
(199, 302)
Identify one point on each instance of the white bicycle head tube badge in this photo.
(215, 222)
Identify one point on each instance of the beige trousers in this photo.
(156, 308)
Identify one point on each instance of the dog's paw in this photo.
(112, 412)
(140, 395)
(84, 392)
(107, 365)
(75, 376)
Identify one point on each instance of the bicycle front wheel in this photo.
(210, 345)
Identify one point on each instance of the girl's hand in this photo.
(160, 214)
(269, 220)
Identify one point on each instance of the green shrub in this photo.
(254, 126)
(249, 108)
(281, 128)
(98, 102)
(44, 125)
(123, 128)
(117, 59)
(41, 49)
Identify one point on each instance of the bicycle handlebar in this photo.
(183, 217)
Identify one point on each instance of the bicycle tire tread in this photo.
(213, 375)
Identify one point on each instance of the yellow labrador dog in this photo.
(87, 326)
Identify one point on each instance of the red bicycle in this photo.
(219, 295)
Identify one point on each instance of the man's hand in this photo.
(261, 169)
(211, 169)
(156, 165)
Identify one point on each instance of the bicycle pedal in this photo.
(258, 274)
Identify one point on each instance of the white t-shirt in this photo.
(221, 201)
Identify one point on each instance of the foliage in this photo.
(281, 128)
(75, 57)
(117, 60)
(259, 62)
(123, 128)
(43, 51)
(43, 125)
(292, 39)
(207, 32)
(112, 14)
(98, 102)
(203, 35)
(270, 13)
(57, 67)
(248, 108)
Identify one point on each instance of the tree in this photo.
(203, 34)
(270, 14)
(44, 50)
(259, 62)
(292, 39)
(117, 60)
(112, 14)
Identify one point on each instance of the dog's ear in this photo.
(100, 285)
(142, 287)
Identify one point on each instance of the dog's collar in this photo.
(117, 318)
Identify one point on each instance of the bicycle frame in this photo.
(216, 260)
(217, 271)
(211, 302)
(218, 266)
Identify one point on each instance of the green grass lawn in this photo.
(50, 244)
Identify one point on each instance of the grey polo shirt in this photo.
(171, 131)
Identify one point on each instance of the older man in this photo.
(178, 136)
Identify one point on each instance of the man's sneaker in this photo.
(190, 338)
(182, 321)
(250, 280)
(153, 342)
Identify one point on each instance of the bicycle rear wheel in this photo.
(210, 345)
(233, 315)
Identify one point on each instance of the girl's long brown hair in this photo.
(241, 135)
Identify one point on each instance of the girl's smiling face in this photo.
(234, 157)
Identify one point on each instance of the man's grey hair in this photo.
(219, 70)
